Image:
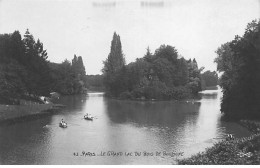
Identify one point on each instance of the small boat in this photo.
(230, 137)
(88, 117)
(63, 125)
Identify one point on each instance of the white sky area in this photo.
(85, 28)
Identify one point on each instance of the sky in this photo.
(196, 28)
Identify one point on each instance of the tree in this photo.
(16, 48)
(183, 72)
(167, 52)
(155, 76)
(12, 73)
(239, 60)
(69, 77)
(78, 66)
(39, 50)
(148, 56)
(210, 78)
(35, 59)
(194, 76)
(116, 59)
(113, 63)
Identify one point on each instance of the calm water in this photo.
(120, 126)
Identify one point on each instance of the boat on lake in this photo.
(63, 125)
(87, 117)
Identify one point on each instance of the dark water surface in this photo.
(121, 126)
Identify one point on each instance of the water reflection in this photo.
(122, 126)
(24, 144)
(160, 113)
(200, 132)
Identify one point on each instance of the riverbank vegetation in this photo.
(238, 151)
(239, 61)
(235, 152)
(162, 75)
(25, 72)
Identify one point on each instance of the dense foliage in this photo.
(208, 79)
(162, 75)
(68, 77)
(113, 63)
(24, 67)
(239, 60)
(236, 152)
(95, 82)
(25, 72)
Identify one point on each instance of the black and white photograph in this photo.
(129, 82)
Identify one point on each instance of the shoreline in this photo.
(189, 99)
(10, 114)
(240, 151)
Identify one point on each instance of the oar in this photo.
(91, 117)
(50, 125)
(73, 124)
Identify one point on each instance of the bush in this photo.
(239, 151)
(138, 92)
(126, 95)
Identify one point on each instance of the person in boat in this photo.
(62, 121)
(230, 137)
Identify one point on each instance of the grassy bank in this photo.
(234, 152)
(15, 113)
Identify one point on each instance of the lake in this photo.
(123, 132)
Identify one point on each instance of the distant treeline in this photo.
(162, 75)
(95, 82)
(209, 80)
(239, 60)
(25, 72)
(69, 77)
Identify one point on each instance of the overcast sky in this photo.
(195, 27)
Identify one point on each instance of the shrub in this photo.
(126, 95)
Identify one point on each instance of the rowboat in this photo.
(88, 118)
(63, 125)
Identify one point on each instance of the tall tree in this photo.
(114, 62)
(239, 60)
(182, 73)
(78, 66)
(39, 78)
(69, 78)
(148, 56)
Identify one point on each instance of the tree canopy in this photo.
(239, 60)
(114, 62)
(209, 79)
(25, 71)
(69, 77)
(162, 75)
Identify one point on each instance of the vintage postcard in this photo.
(129, 82)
